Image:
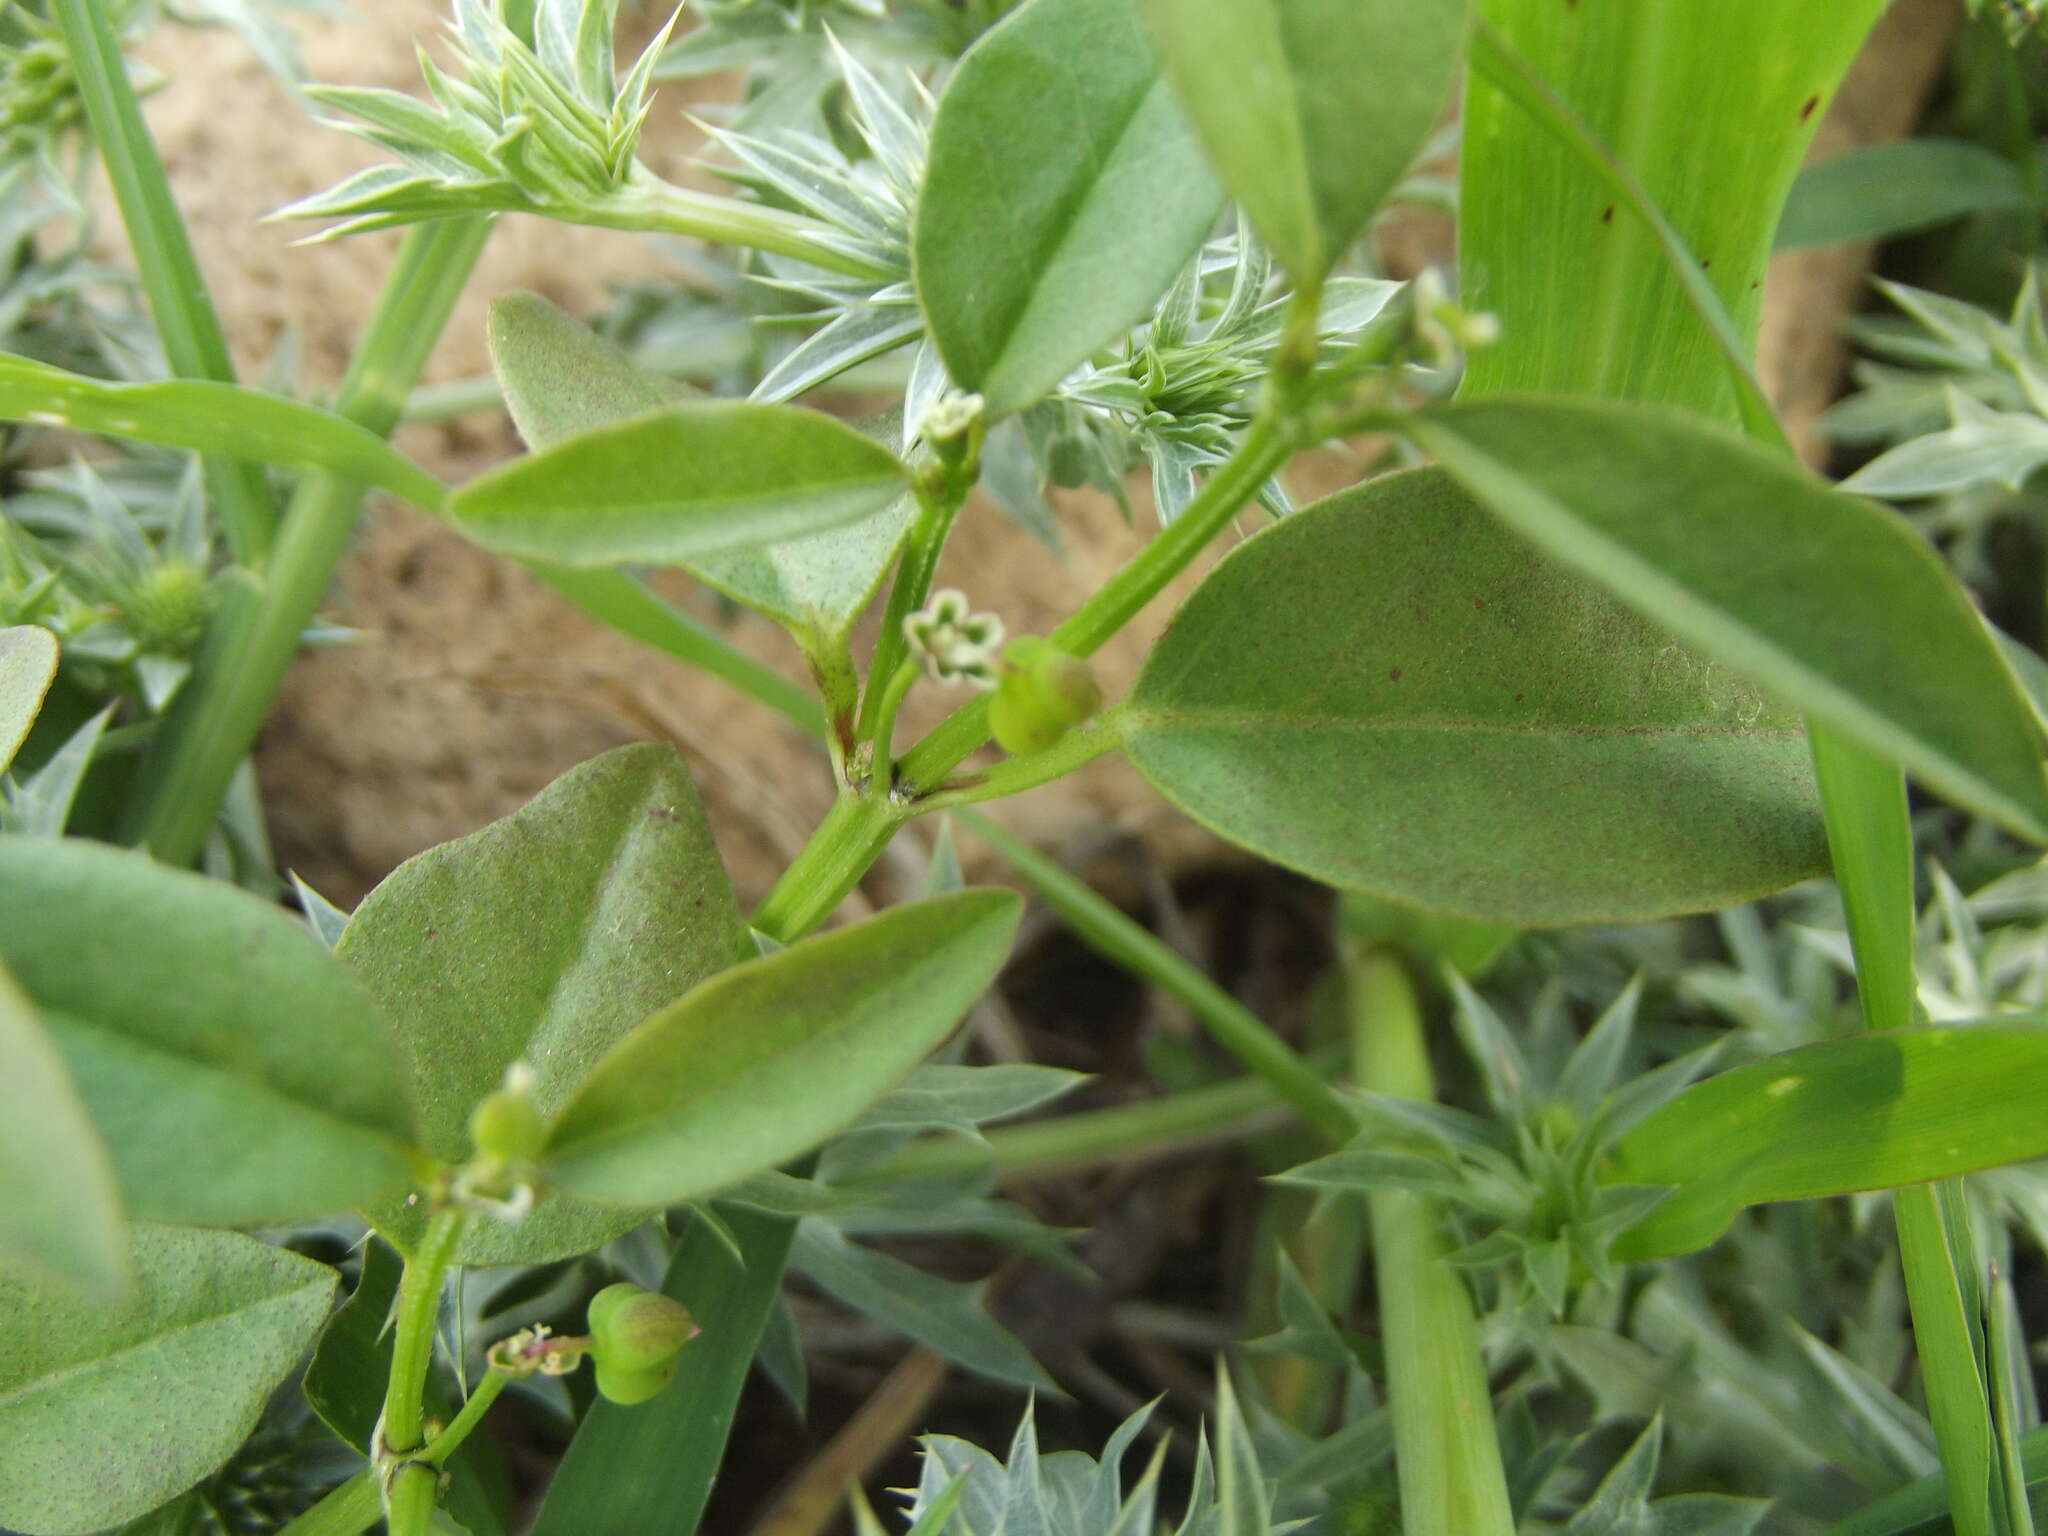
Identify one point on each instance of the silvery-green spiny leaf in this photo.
(1981, 446)
(963, 1490)
(541, 127)
(944, 1315)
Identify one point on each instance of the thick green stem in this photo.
(1446, 1450)
(250, 644)
(402, 1429)
(846, 844)
(185, 320)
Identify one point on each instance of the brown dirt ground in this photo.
(472, 686)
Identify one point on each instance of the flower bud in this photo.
(635, 1338)
(505, 1125)
(1042, 693)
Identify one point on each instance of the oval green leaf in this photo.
(107, 1410)
(1065, 193)
(544, 937)
(1388, 692)
(60, 1223)
(1835, 604)
(1874, 1111)
(680, 482)
(764, 1061)
(28, 664)
(237, 1071)
(559, 378)
(1310, 110)
(207, 417)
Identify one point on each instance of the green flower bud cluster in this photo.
(1042, 694)
(166, 607)
(636, 1337)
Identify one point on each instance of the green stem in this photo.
(1107, 931)
(1446, 1450)
(1051, 1148)
(845, 845)
(348, 1509)
(215, 718)
(936, 510)
(883, 732)
(185, 319)
(449, 1441)
(650, 204)
(413, 1489)
(1014, 775)
(402, 1429)
(1958, 1400)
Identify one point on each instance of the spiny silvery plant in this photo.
(1611, 656)
(963, 1490)
(1524, 1185)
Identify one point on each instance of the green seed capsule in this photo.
(635, 1338)
(1042, 694)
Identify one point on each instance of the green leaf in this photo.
(61, 1221)
(819, 1031)
(1881, 190)
(560, 379)
(107, 1410)
(1311, 110)
(945, 1315)
(224, 419)
(28, 664)
(1834, 604)
(1468, 730)
(1873, 1111)
(351, 1365)
(602, 1487)
(237, 1071)
(545, 937)
(1585, 299)
(681, 482)
(1065, 193)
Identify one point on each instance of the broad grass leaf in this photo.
(681, 482)
(544, 937)
(1836, 605)
(207, 417)
(1873, 1111)
(28, 662)
(237, 1071)
(1388, 693)
(560, 379)
(767, 1059)
(1065, 193)
(60, 1223)
(602, 1487)
(1586, 301)
(1310, 110)
(109, 1409)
